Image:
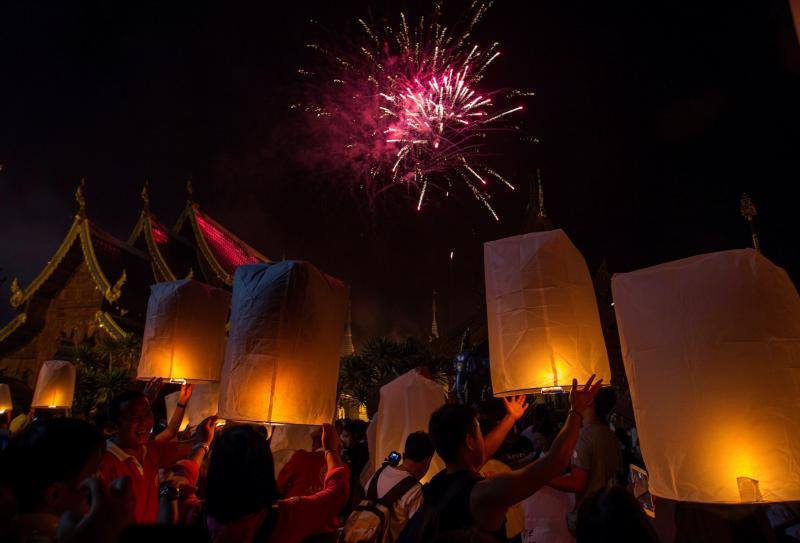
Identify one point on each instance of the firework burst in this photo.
(404, 106)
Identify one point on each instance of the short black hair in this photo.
(419, 447)
(241, 474)
(604, 403)
(115, 406)
(449, 427)
(356, 428)
(46, 452)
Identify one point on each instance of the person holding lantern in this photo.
(597, 462)
(130, 452)
(459, 498)
(242, 498)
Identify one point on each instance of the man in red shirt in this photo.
(304, 473)
(131, 453)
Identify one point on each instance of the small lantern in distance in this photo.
(55, 386)
(5, 399)
(544, 327)
(184, 336)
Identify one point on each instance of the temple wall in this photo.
(69, 319)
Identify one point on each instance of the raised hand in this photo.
(330, 438)
(582, 397)
(186, 393)
(206, 429)
(515, 406)
(110, 511)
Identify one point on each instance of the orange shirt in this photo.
(117, 463)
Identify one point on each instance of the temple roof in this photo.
(112, 265)
(172, 256)
(123, 271)
(219, 250)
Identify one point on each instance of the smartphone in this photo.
(394, 458)
(641, 490)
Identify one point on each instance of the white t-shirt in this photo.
(405, 507)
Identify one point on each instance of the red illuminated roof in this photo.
(229, 250)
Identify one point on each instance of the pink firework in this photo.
(404, 106)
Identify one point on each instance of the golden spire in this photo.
(434, 322)
(189, 189)
(542, 212)
(80, 198)
(347, 344)
(146, 195)
(748, 210)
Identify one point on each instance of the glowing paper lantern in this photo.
(544, 328)
(202, 404)
(5, 398)
(711, 346)
(55, 385)
(282, 357)
(184, 337)
(406, 405)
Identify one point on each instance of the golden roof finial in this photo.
(190, 189)
(16, 294)
(748, 210)
(115, 291)
(146, 195)
(80, 198)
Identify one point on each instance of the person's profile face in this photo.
(135, 422)
(347, 438)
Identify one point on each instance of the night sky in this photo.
(652, 117)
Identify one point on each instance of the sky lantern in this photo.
(55, 386)
(5, 399)
(544, 328)
(282, 357)
(711, 346)
(202, 404)
(184, 336)
(406, 405)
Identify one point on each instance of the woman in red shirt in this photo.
(242, 496)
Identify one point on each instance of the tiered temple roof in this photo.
(92, 273)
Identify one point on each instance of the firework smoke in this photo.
(403, 106)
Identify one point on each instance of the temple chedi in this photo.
(96, 283)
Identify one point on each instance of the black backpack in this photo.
(424, 525)
(370, 519)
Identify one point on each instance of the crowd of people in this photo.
(64, 479)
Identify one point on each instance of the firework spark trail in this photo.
(407, 105)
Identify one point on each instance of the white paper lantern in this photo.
(202, 404)
(5, 398)
(184, 337)
(406, 405)
(282, 357)
(711, 346)
(544, 328)
(55, 386)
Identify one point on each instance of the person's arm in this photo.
(333, 446)
(515, 408)
(575, 481)
(491, 498)
(172, 451)
(310, 515)
(174, 424)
